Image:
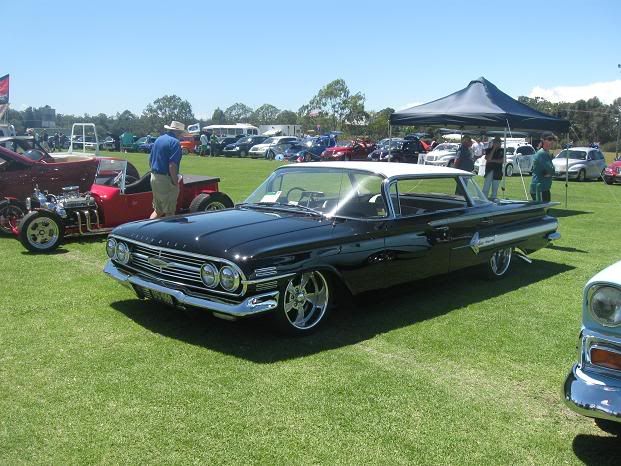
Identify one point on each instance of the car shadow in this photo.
(255, 339)
(555, 247)
(560, 213)
(595, 449)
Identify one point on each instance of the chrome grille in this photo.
(264, 286)
(182, 270)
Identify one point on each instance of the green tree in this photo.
(264, 115)
(334, 104)
(166, 109)
(286, 117)
(218, 117)
(378, 123)
(238, 113)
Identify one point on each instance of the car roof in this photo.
(581, 148)
(387, 169)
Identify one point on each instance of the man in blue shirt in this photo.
(164, 161)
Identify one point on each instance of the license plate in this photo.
(155, 295)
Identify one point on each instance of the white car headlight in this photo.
(210, 275)
(229, 278)
(122, 253)
(605, 305)
(111, 248)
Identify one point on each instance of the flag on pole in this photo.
(4, 89)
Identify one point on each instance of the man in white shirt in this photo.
(477, 149)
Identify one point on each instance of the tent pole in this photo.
(389, 141)
(504, 163)
(566, 169)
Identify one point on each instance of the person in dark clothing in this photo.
(464, 160)
(494, 158)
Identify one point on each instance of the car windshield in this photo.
(321, 191)
(269, 141)
(110, 171)
(572, 154)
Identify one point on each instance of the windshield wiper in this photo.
(279, 206)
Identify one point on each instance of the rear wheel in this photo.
(608, 180)
(11, 212)
(214, 201)
(499, 264)
(305, 302)
(41, 231)
(184, 151)
(509, 169)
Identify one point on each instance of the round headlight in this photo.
(210, 275)
(229, 278)
(111, 247)
(122, 253)
(606, 305)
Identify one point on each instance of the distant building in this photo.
(282, 130)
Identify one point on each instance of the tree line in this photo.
(333, 107)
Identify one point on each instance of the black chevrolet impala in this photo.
(312, 229)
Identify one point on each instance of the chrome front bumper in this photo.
(252, 305)
(593, 395)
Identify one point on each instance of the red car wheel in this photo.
(11, 212)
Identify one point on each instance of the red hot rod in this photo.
(115, 198)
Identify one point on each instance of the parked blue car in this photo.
(147, 144)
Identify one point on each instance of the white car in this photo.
(263, 150)
(443, 155)
(519, 158)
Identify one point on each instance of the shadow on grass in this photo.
(593, 449)
(560, 213)
(554, 247)
(65, 247)
(254, 338)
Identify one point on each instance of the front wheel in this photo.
(184, 151)
(242, 153)
(608, 180)
(499, 264)
(509, 170)
(11, 212)
(305, 303)
(41, 231)
(581, 175)
(214, 201)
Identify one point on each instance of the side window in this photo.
(600, 156)
(424, 195)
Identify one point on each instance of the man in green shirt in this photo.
(213, 143)
(543, 169)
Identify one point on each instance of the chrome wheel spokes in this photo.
(306, 300)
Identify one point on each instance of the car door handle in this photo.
(487, 221)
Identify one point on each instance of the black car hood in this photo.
(224, 233)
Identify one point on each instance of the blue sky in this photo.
(114, 55)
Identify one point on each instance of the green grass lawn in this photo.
(452, 370)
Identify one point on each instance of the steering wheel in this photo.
(295, 188)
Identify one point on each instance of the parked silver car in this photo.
(593, 386)
(582, 163)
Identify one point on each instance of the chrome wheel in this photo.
(305, 300)
(509, 170)
(43, 233)
(581, 175)
(215, 206)
(500, 261)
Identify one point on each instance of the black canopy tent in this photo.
(482, 105)
(479, 105)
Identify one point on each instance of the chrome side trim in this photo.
(478, 242)
(250, 306)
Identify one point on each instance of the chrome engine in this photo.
(78, 210)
